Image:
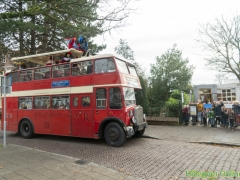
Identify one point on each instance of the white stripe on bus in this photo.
(65, 90)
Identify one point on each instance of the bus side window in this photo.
(66, 69)
(101, 98)
(42, 102)
(57, 71)
(86, 101)
(89, 69)
(82, 70)
(88, 65)
(104, 65)
(115, 98)
(26, 75)
(25, 103)
(38, 74)
(42, 73)
(75, 70)
(60, 102)
(75, 101)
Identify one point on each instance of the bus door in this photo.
(100, 109)
(82, 115)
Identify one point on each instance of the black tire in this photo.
(139, 133)
(26, 129)
(114, 135)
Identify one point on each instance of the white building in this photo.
(229, 91)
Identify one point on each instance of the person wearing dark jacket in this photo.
(224, 117)
(185, 114)
(231, 118)
(204, 117)
(218, 112)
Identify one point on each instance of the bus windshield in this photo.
(129, 96)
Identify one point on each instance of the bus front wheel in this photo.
(26, 129)
(114, 134)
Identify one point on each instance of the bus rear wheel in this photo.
(114, 135)
(26, 129)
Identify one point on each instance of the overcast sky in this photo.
(159, 24)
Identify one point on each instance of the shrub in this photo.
(172, 106)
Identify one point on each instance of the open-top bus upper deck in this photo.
(105, 69)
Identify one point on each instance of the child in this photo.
(224, 117)
(210, 116)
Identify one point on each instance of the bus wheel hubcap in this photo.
(113, 134)
(25, 128)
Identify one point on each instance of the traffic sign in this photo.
(8, 81)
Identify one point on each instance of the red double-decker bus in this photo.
(89, 97)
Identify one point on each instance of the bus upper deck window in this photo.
(82, 68)
(26, 75)
(58, 71)
(42, 73)
(14, 76)
(104, 65)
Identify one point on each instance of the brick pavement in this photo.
(145, 158)
(18, 162)
(197, 133)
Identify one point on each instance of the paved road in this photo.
(197, 133)
(167, 154)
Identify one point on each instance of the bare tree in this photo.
(222, 41)
(219, 78)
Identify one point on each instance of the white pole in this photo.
(4, 112)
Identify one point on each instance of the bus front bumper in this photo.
(130, 130)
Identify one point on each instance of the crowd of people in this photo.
(215, 114)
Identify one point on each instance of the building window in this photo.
(204, 91)
(226, 94)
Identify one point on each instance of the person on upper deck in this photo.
(67, 57)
